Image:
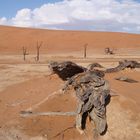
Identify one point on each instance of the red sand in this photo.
(27, 86)
(13, 39)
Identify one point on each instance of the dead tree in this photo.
(38, 46)
(126, 79)
(67, 69)
(92, 92)
(108, 51)
(123, 65)
(85, 50)
(24, 53)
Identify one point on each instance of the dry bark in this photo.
(30, 113)
(66, 69)
(123, 65)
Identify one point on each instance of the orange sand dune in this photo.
(12, 39)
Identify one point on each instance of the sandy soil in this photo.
(36, 90)
(28, 85)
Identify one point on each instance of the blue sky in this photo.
(8, 8)
(91, 15)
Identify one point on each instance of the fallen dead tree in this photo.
(123, 65)
(92, 92)
(67, 69)
(126, 79)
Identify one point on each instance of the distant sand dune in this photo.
(12, 39)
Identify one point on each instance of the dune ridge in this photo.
(12, 39)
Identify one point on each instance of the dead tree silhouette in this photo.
(38, 46)
(109, 51)
(24, 53)
(85, 50)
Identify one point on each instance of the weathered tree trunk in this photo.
(24, 53)
(66, 69)
(85, 50)
(38, 51)
(123, 65)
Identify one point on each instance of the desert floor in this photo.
(29, 86)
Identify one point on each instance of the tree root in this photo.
(31, 114)
(63, 131)
(58, 92)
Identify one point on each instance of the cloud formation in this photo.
(96, 15)
(3, 20)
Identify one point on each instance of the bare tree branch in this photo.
(30, 113)
(38, 46)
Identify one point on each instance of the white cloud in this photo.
(3, 20)
(103, 15)
(51, 14)
(23, 18)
